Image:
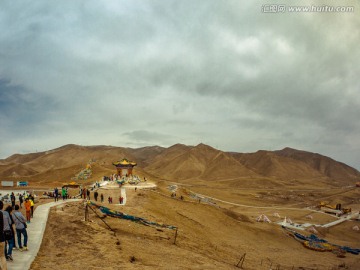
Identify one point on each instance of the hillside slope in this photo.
(178, 163)
(324, 165)
(199, 162)
(269, 164)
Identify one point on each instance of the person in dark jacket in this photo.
(20, 225)
(12, 198)
(21, 200)
(2, 238)
(9, 210)
(9, 237)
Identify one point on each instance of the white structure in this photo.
(7, 183)
(263, 218)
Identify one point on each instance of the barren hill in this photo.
(179, 163)
(324, 165)
(198, 162)
(16, 170)
(145, 155)
(270, 164)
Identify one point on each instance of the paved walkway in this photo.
(23, 260)
(123, 194)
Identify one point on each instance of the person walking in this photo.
(32, 203)
(9, 209)
(96, 194)
(56, 194)
(102, 197)
(27, 205)
(9, 237)
(21, 200)
(20, 225)
(3, 264)
(12, 198)
(63, 193)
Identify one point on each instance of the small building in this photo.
(7, 183)
(124, 167)
(22, 184)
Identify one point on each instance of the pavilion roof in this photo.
(124, 161)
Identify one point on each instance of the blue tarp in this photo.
(113, 213)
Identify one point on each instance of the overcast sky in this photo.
(141, 73)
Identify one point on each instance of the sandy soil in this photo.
(213, 233)
(210, 236)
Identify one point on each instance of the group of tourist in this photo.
(86, 194)
(64, 193)
(13, 226)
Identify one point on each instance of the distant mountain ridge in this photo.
(178, 163)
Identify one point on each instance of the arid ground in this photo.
(210, 236)
(212, 233)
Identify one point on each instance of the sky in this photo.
(229, 74)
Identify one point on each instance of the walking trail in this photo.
(35, 229)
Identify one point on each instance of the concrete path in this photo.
(340, 220)
(35, 229)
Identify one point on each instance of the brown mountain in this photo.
(322, 164)
(269, 164)
(179, 163)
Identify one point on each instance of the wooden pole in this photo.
(86, 213)
(176, 232)
(102, 219)
(242, 259)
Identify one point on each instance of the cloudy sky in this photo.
(141, 73)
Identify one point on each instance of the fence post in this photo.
(176, 232)
(86, 213)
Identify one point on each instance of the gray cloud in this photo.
(132, 73)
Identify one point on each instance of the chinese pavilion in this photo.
(124, 167)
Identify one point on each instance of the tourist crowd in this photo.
(13, 225)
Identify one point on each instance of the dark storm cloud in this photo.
(111, 72)
(21, 107)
